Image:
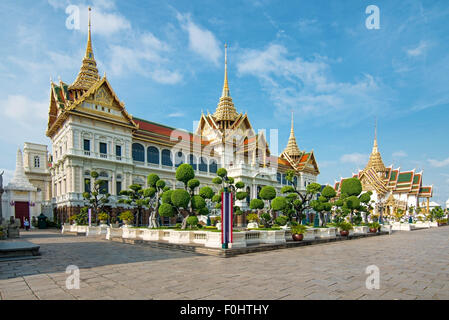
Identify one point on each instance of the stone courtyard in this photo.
(413, 265)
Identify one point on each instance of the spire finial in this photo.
(225, 85)
(89, 51)
(88, 74)
(375, 136)
(292, 131)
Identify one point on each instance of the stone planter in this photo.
(433, 224)
(166, 234)
(129, 233)
(152, 234)
(238, 240)
(272, 236)
(252, 225)
(213, 240)
(386, 227)
(310, 234)
(181, 236)
(326, 233)
(361, 229)
(422, 225)
(113, 233)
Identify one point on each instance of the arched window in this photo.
(213, 166)
(166, 158)
(153, 155)
(279, 177)
(192, 161)
(203, 164)
(295, 180)
(179, 158)
(138, 152)
(284, 181)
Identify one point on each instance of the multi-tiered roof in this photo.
(377, 177)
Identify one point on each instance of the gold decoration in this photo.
(292, 147)
(88, 74)
(225, 113)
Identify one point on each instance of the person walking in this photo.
(26, 224)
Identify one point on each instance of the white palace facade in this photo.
(90, 129)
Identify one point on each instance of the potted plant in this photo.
(373, 227)
(253, 219)
(103, 217)
(345, 227)
(127, 217)
(298, 232)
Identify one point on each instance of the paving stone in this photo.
(413, 265)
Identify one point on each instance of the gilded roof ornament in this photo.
(88, 74)
(375, 159)
(225, 110)
(292, 147)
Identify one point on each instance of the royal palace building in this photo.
(392, 188)
(90, 129)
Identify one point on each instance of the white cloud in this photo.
(201, 40)
(146, 56)
(176, 115)
(106, 21)
(439, 164)
(308, 85)
(399, 154)
(25, 118)
(419, 50)
(355, 158)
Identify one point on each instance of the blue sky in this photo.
(164, 59)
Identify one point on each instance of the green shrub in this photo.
(199, 226)
(166, 210)
(252, 217)
(184, 173)
(192, 221)
(103, 216)
(127, 215)
(178, 226)
(180, 198)
(268, 193)
(345, 226)
(298, 229)
(281, 220)
(374, 225)
(256, 204)
(207, 193)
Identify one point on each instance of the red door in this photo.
(22, 212)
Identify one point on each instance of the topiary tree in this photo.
(185, 173)
(322, 205)
(137, 197)
(97, 198)
(302, 202)
(157, 187)
(352, 201)
(229, 184)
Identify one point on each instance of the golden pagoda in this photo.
(225, 114)
(375, 159)
(292, 147)
(88, 74)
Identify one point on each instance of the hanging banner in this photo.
(227, 212)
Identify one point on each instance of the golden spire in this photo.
(375, 159)
(225, 112)
(226, 92)
(88, 74)
(292, 147)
